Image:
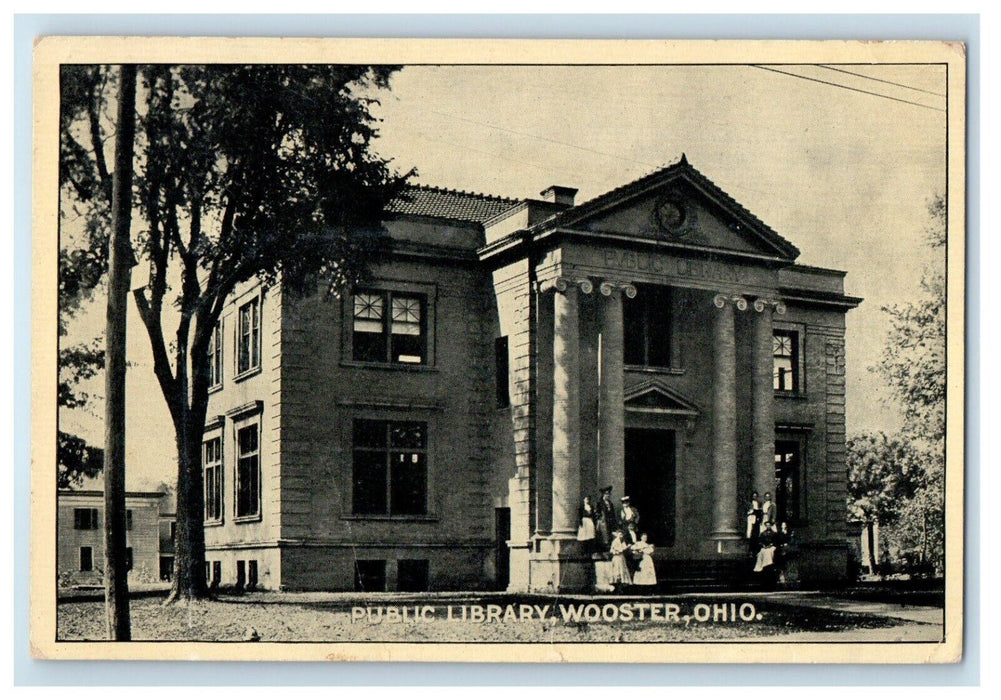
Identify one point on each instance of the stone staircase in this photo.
(682, 576)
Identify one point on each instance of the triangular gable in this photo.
(652, 396)
(677, 204)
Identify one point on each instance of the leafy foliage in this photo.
(242, 172)
(77, 460)
(899, 481)
(913, 361)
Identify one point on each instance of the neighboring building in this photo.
(80, 536)
(167, 530)
(436, 429)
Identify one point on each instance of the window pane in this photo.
(247, 438)
(408, 348)
(408, 435)
(369, 306)
(369, 483)
(369, 433)
(783, 375)
(255, 336)
(406, 312)
(368, 347)
(247, 472)
(409, 483)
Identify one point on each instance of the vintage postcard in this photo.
(499, 350)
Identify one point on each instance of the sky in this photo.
(843, 174)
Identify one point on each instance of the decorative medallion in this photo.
(674, 217)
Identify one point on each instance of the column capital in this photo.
(761, 304)
(562, 284)
(608, 286)
(720, 300)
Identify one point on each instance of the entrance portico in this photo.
(667, 283)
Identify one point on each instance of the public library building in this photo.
(437, 429)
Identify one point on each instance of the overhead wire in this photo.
(881, 80)
(846, 87)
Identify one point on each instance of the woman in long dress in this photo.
(585, 523)
(645, 575)
(620, 569)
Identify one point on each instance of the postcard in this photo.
(498, 350)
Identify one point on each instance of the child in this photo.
(646, 575)
(620, 568)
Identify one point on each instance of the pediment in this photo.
(652, 396)
(681, 206)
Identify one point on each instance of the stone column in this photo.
(725, 523)
(566, 405)
(763, 400)
(611, 409)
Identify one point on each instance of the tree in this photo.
(881, 476)
(86, 185)
(913, 365)
(913, 361)
(245, 172)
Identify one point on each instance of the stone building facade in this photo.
(437, 428)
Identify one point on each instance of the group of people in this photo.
(769, 542)
(607, 529)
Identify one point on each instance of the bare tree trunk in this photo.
(116, 584)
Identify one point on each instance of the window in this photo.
(502, 368)
(252, 574)
(173, 530)
(166, 568)
(412, 575)
(248, 472)
(389, 327)
(241, 573)
(212, 463)
(85, 519)
(370, 575)
(647, 327)
(787, 471)
(128, 519)
(249, 337)
(785, 351)
(86, 559)
(128, 558)
(215, 356)
(389, 468)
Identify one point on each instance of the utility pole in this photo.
(120, 261)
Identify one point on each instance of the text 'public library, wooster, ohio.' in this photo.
(437, 429)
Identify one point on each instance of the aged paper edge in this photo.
(50, 52)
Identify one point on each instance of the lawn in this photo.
(282, 617)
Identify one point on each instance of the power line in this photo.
(845, 87)
(540, 138)
(880, 80)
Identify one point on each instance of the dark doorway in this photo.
(650, 481)
(502, 556)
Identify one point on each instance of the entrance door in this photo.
(650, 481)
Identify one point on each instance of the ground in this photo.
(338, 617)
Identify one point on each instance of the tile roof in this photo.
(424, 200)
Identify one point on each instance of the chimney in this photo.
(559, 195)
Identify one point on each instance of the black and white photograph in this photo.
(498, 350)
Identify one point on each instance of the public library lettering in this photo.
(439, 429)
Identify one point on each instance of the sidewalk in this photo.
(912, 613)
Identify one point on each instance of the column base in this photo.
(729, 544)
(559, 563)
